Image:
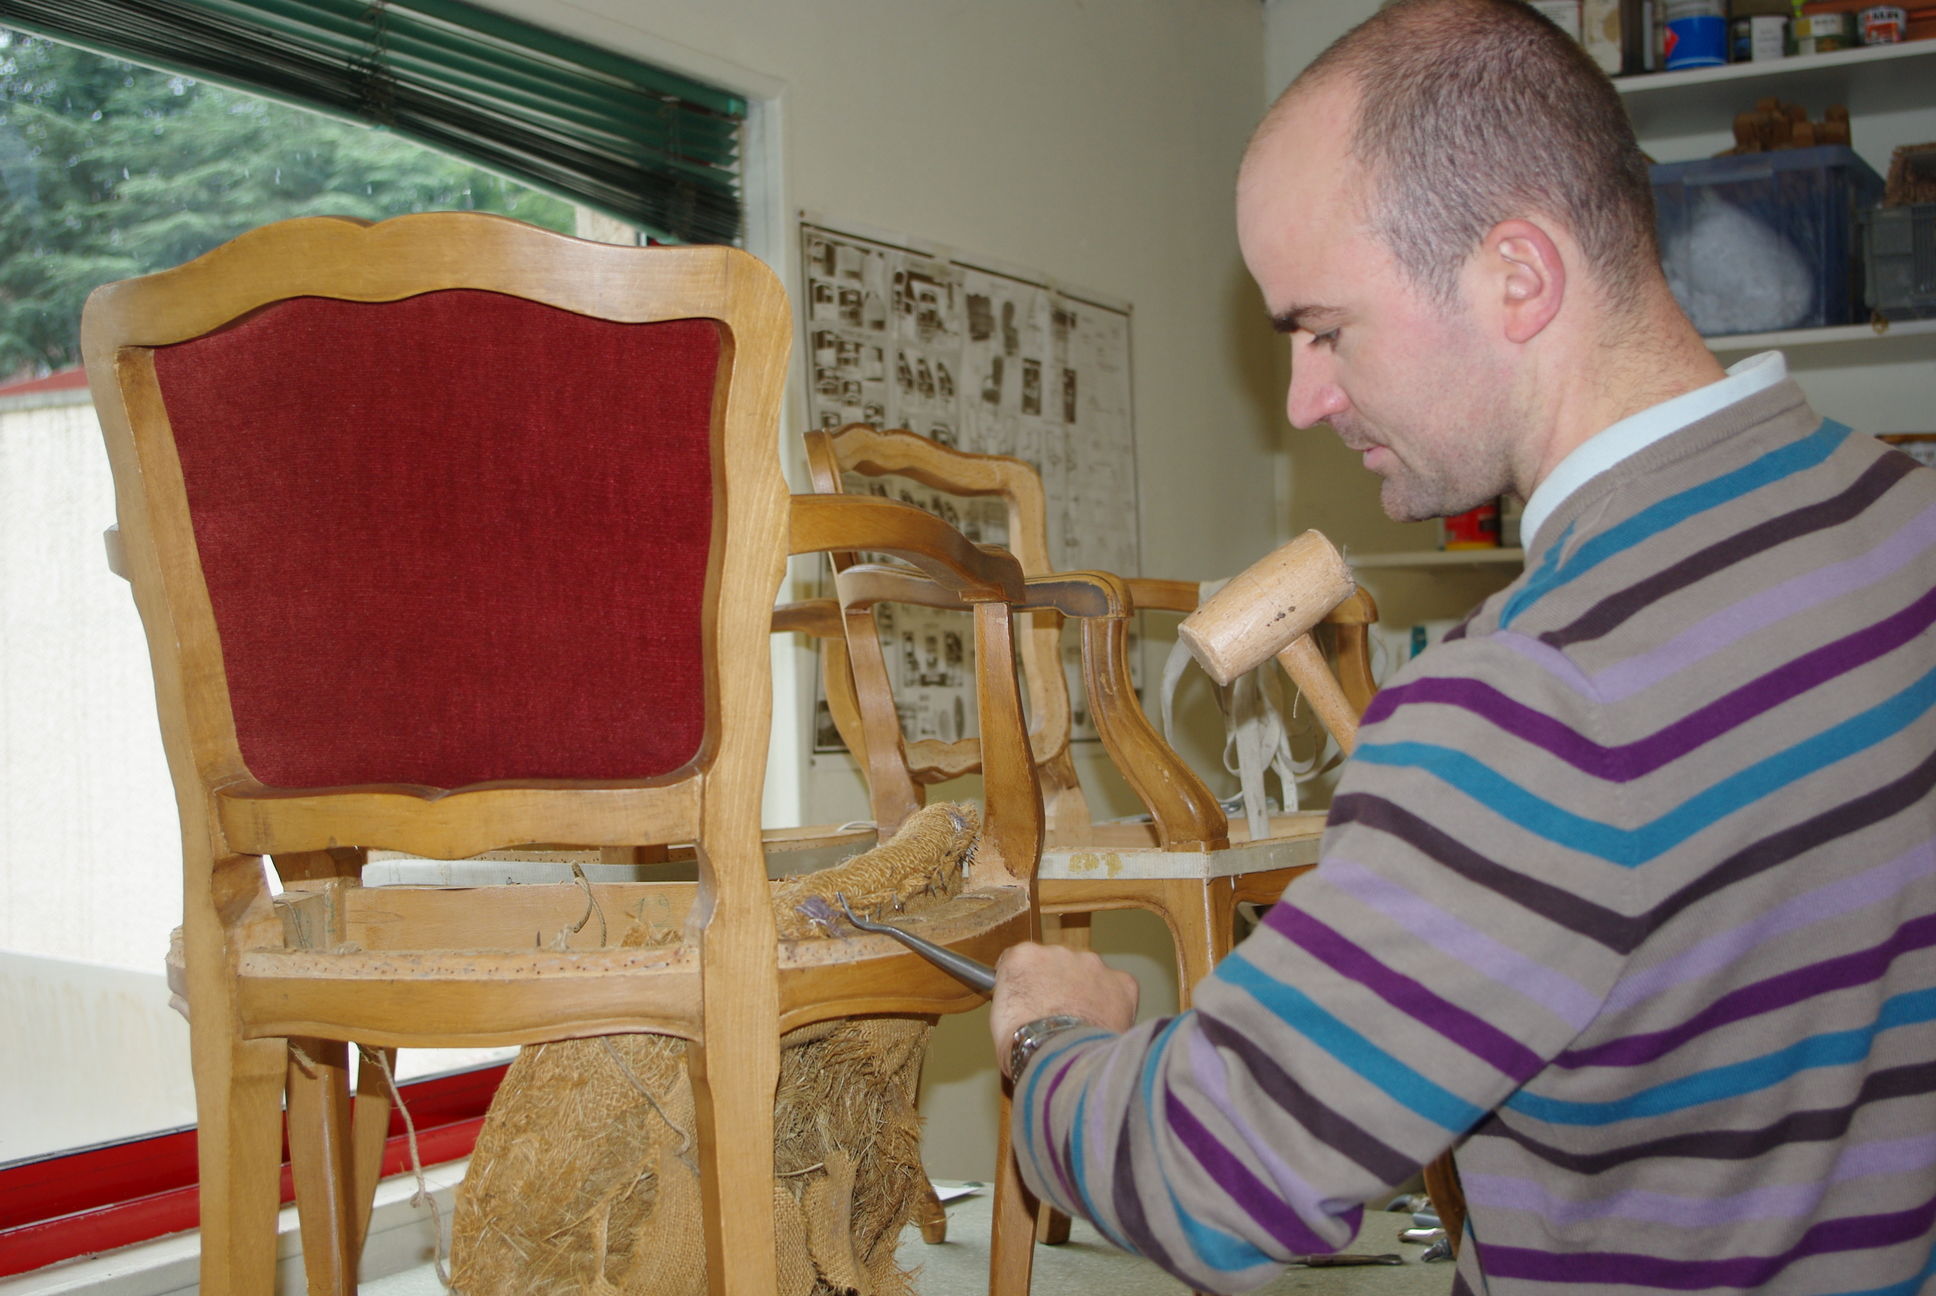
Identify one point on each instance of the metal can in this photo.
(1820, 33)
(1883, 24)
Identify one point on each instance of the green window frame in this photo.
(639, 143)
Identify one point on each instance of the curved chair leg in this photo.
(238, 1092)
(321, 1163)
(1202, 918)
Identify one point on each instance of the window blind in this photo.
(637, 142)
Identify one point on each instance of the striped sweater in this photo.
(1631, 886)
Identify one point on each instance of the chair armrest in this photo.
(1186, 814)
(1163, 595)
(974, 573)
(817, 617)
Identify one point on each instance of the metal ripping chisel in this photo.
(978, 976)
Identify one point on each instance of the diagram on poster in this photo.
(988, 360)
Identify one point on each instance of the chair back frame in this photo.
(397, 259)
(898, 770)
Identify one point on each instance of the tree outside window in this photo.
(111, 170)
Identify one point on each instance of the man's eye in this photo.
(1328, 338)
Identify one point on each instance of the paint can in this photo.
(1473, 529)
(1697, 34)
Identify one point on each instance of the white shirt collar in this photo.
(1638, 431)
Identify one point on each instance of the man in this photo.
(1630, 890)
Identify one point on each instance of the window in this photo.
(636, 142)
(112, 169)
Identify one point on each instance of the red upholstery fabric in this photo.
(452, 539)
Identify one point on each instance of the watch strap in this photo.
(1030, 1036)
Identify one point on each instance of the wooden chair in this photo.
(1188, 864)
(450, 534)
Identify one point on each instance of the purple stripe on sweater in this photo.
(1100, 1133)
(1058, 1162)
(1798, 597)
(1238, 1182)
(1213, 1083)
(1515, 718)
(1470, 1032)
(1873, 886)
(1798, 985)
(1777, 1202)
(1613, 1268)
(1634, 760)
(1565, 998)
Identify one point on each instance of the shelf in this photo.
(1440, 558)
(1670, 103)
(1852, 343)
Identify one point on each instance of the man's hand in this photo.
(1034, 981)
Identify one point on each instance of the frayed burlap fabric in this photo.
(585, 1178)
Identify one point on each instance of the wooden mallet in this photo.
(1268, 610)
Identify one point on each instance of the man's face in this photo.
(1409, 384)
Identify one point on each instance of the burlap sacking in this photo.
(584, 1178)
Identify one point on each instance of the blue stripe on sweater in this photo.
(1028, 1102)
(1798, 456)
(1630, 847)
(1831, 1048)
(1396, 1080)
(1222, 1251)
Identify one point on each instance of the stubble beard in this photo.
(1412, 494)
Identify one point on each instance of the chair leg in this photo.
(931, 1216)
(1202, 918)
(1448, 1197)
(320, 1160)
(1011, 1246)
(369, 1133)
(238, 1092)
(733, 1090)
(1072, 930)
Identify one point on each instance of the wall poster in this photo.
(990, 360)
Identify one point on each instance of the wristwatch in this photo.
(1032, 1035)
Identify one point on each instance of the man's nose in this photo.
(1315, 395)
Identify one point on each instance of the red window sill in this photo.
(80, 1203)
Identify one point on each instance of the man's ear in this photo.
(1524, 275)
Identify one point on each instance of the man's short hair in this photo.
(1476, 111)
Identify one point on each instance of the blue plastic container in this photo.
(1760, 242)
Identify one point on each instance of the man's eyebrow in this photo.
(1294, 318)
